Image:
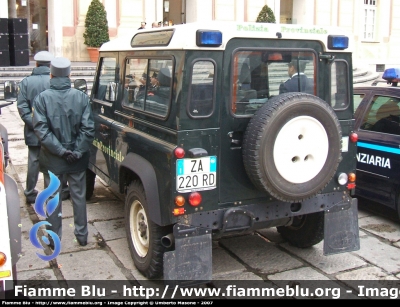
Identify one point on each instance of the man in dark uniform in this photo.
(298, 81)
(154, 84)
(29, 87)
(63, 121)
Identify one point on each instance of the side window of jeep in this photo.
(340, 95)
(258, 75)
(106, 86)
(148, 85)
(202, 89)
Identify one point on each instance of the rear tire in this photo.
(90, 181)
(144, 236)
(306, 230)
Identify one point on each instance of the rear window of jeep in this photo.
(259, 74)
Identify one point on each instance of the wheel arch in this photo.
(136, 167)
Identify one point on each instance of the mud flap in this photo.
(191, 261)
(341, 232)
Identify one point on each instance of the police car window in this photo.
(383, 116)
(340, 95)
(147, 85)
(202, 89)
(106, 83)
(258, 75)
(357, 100)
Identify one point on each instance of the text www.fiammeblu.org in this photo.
(140, 292)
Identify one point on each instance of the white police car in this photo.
(378, 127)
(10, 219)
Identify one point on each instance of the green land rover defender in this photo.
(199, 131)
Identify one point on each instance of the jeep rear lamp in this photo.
(179, 152)
(195, 199)
(178, 211)
(179, 200)
(353, 137)
(343, 178)
(3, 259)
(352, 181)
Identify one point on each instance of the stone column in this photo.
(199, 10)
(55, 29)
(12, 10)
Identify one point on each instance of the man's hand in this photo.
(71, 159)
(77, 155)
(68, 155)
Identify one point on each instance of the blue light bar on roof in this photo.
(391, 75)
(338, 42)
(208, 38)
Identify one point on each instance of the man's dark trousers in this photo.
(77, 185)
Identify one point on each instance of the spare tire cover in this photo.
(292, 146)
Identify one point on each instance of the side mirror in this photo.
(80, 84)
(10, 90)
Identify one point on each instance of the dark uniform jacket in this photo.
(63, 120)
(292, 85)
(29, 87)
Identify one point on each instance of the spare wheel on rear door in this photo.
(292, 146)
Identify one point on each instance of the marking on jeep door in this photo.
(116, 154)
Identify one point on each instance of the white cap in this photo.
(43, 57)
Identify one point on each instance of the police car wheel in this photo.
(144, 236)
(292, 146)
(305, 231)
(90, 181)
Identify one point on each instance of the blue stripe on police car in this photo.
(379, 147)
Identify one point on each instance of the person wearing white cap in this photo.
(63, 121)
(29, 87)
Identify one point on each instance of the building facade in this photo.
(58, 26)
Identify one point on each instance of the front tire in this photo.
(144, 236)
(306, 230)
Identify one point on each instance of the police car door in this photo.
(252, 75)
(103, 97)
(378, 154)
